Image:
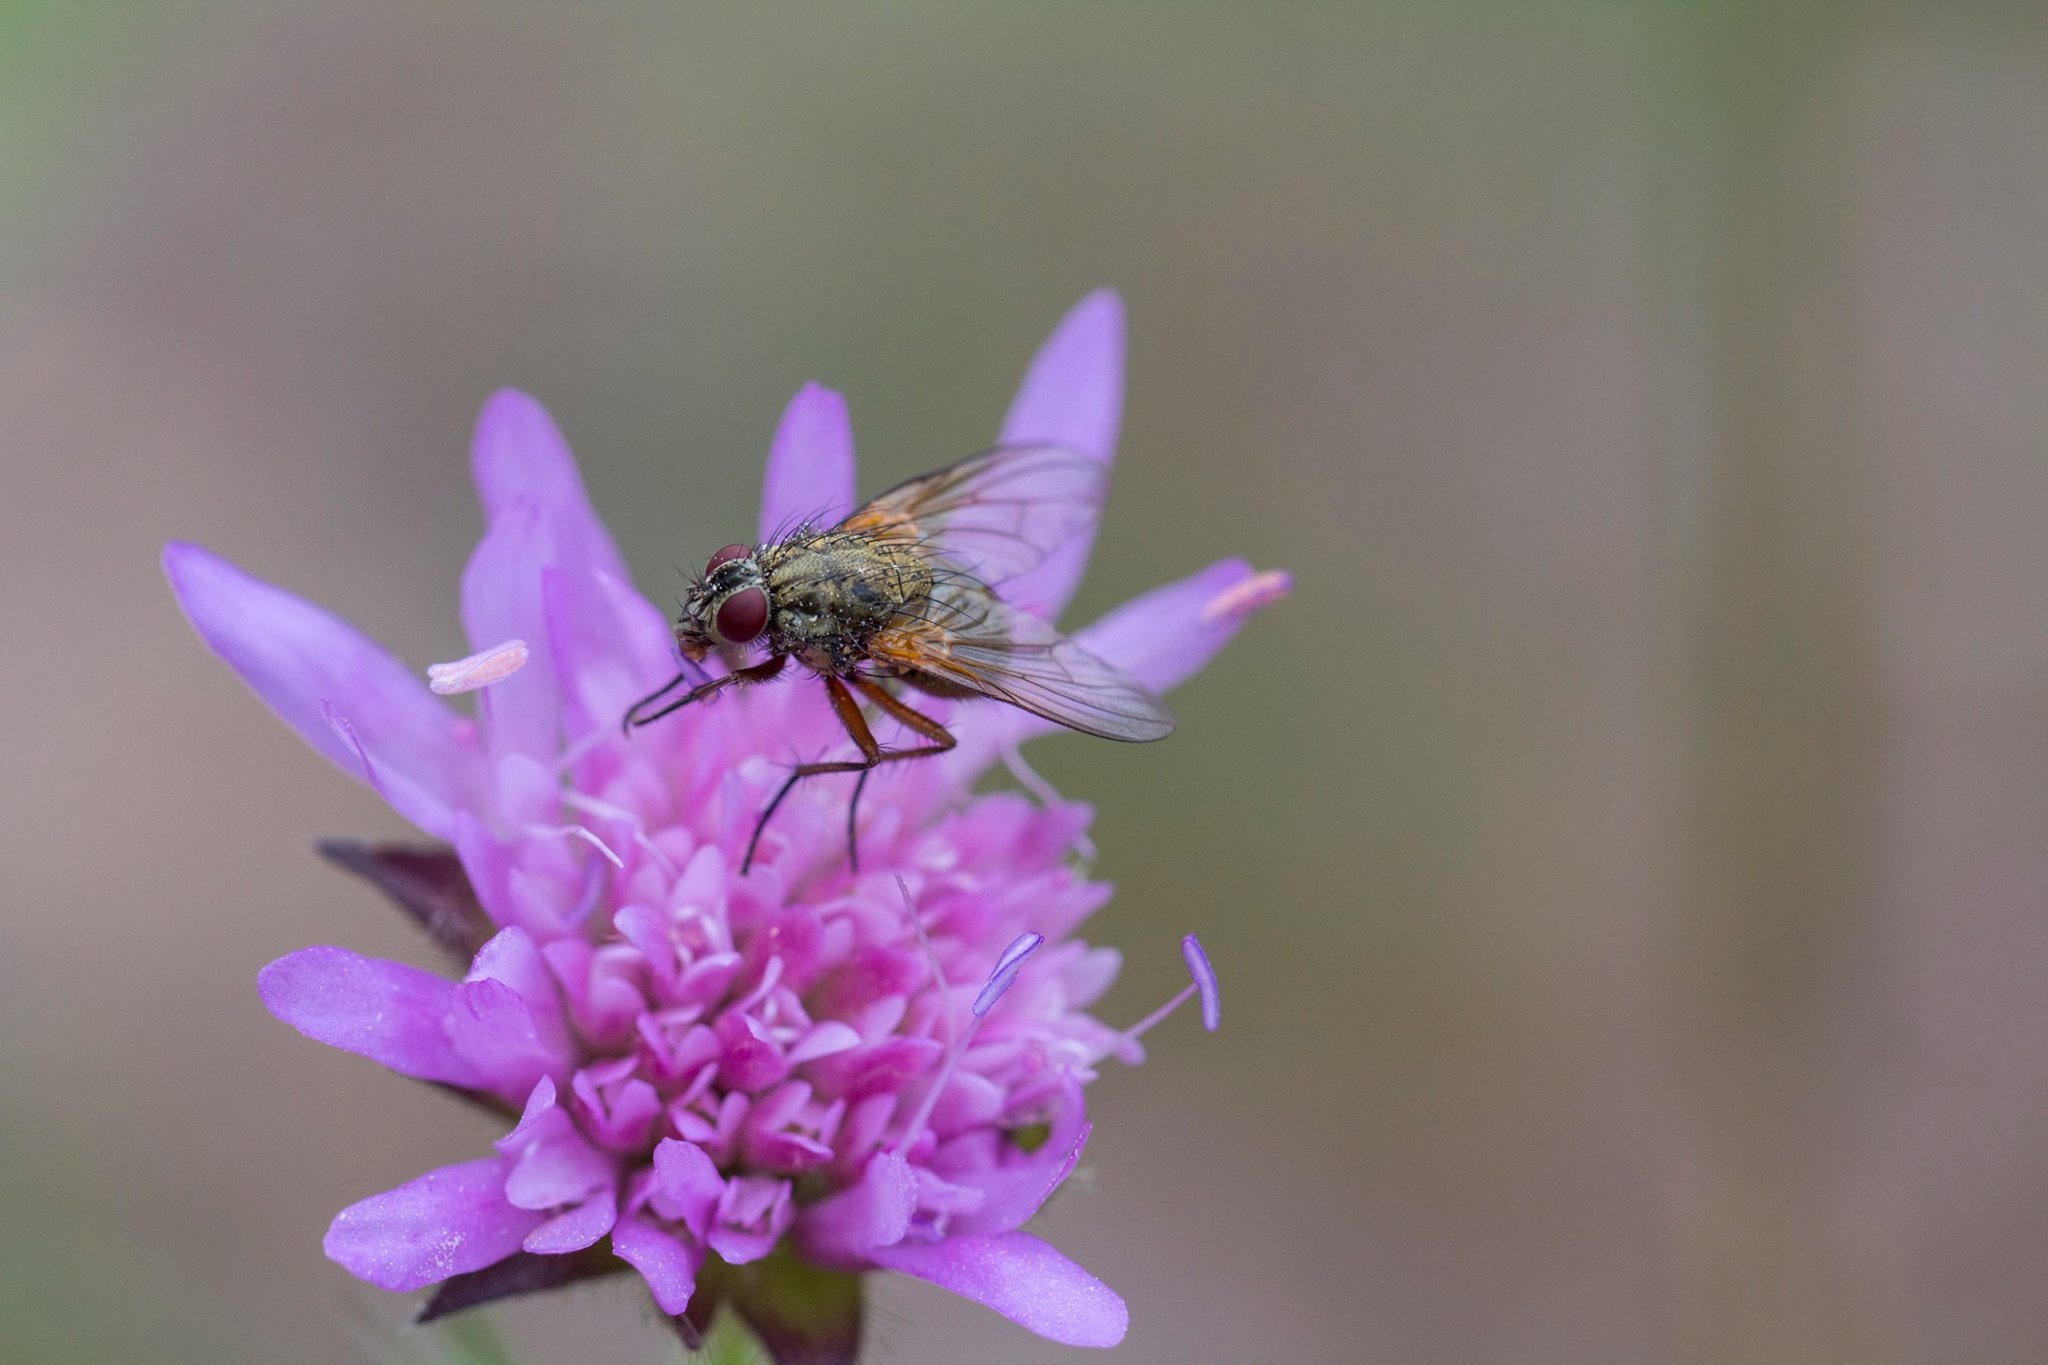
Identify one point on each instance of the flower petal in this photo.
(1022, 1278)
(1014, 1192)
(665, 1261)
(518, 452)
(845, 1228)
(386, 1011)
(448, 1221)
(536, 514)
(686, 1184)
(576, 1229)
(493, 1028)
(1166, 636)
(610, 646)
(810, 465)
(501, 599)
(1073, 396)
(307, 665)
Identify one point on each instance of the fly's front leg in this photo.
(760, 672)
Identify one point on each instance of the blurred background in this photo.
(1624, 856)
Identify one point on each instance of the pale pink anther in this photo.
(1243, 598)
(481, 669)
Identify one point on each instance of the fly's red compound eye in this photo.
(726, 556)
(741, 616)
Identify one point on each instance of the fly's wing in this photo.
(993, 515)
(964, 637)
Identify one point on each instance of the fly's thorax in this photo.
(830, 592)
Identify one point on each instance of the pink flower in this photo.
(747, 1088)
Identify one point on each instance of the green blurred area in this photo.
(1622, 856)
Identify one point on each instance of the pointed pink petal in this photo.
(1072, 395)
(665, 1261)
(501, 600)
(1161, 639)
(610, 645)
(536, 514)
(810, 465)
(1168, 635)
(1023, 1279)
(386, 1011)
(447, 1222)
(518, 452)
(309, 667)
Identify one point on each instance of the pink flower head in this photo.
(747, 1088)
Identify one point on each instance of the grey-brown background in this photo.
(1624, 856)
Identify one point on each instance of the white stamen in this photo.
(573, 754)
(606, 810)
(579, 832)
(1045, 794)
(495, 664)
(1243, 598)
(931, 959)
(1144, 1026)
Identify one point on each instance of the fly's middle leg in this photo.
(873, 755)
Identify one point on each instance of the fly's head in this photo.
(726, 608)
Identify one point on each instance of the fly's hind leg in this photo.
(939, 737)
(872, 753)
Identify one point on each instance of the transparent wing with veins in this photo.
(992, 515)
(964, 637)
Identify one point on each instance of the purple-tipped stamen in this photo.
(1045, 794)
(999, 980)
(1205, 981)
(1021, 947)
